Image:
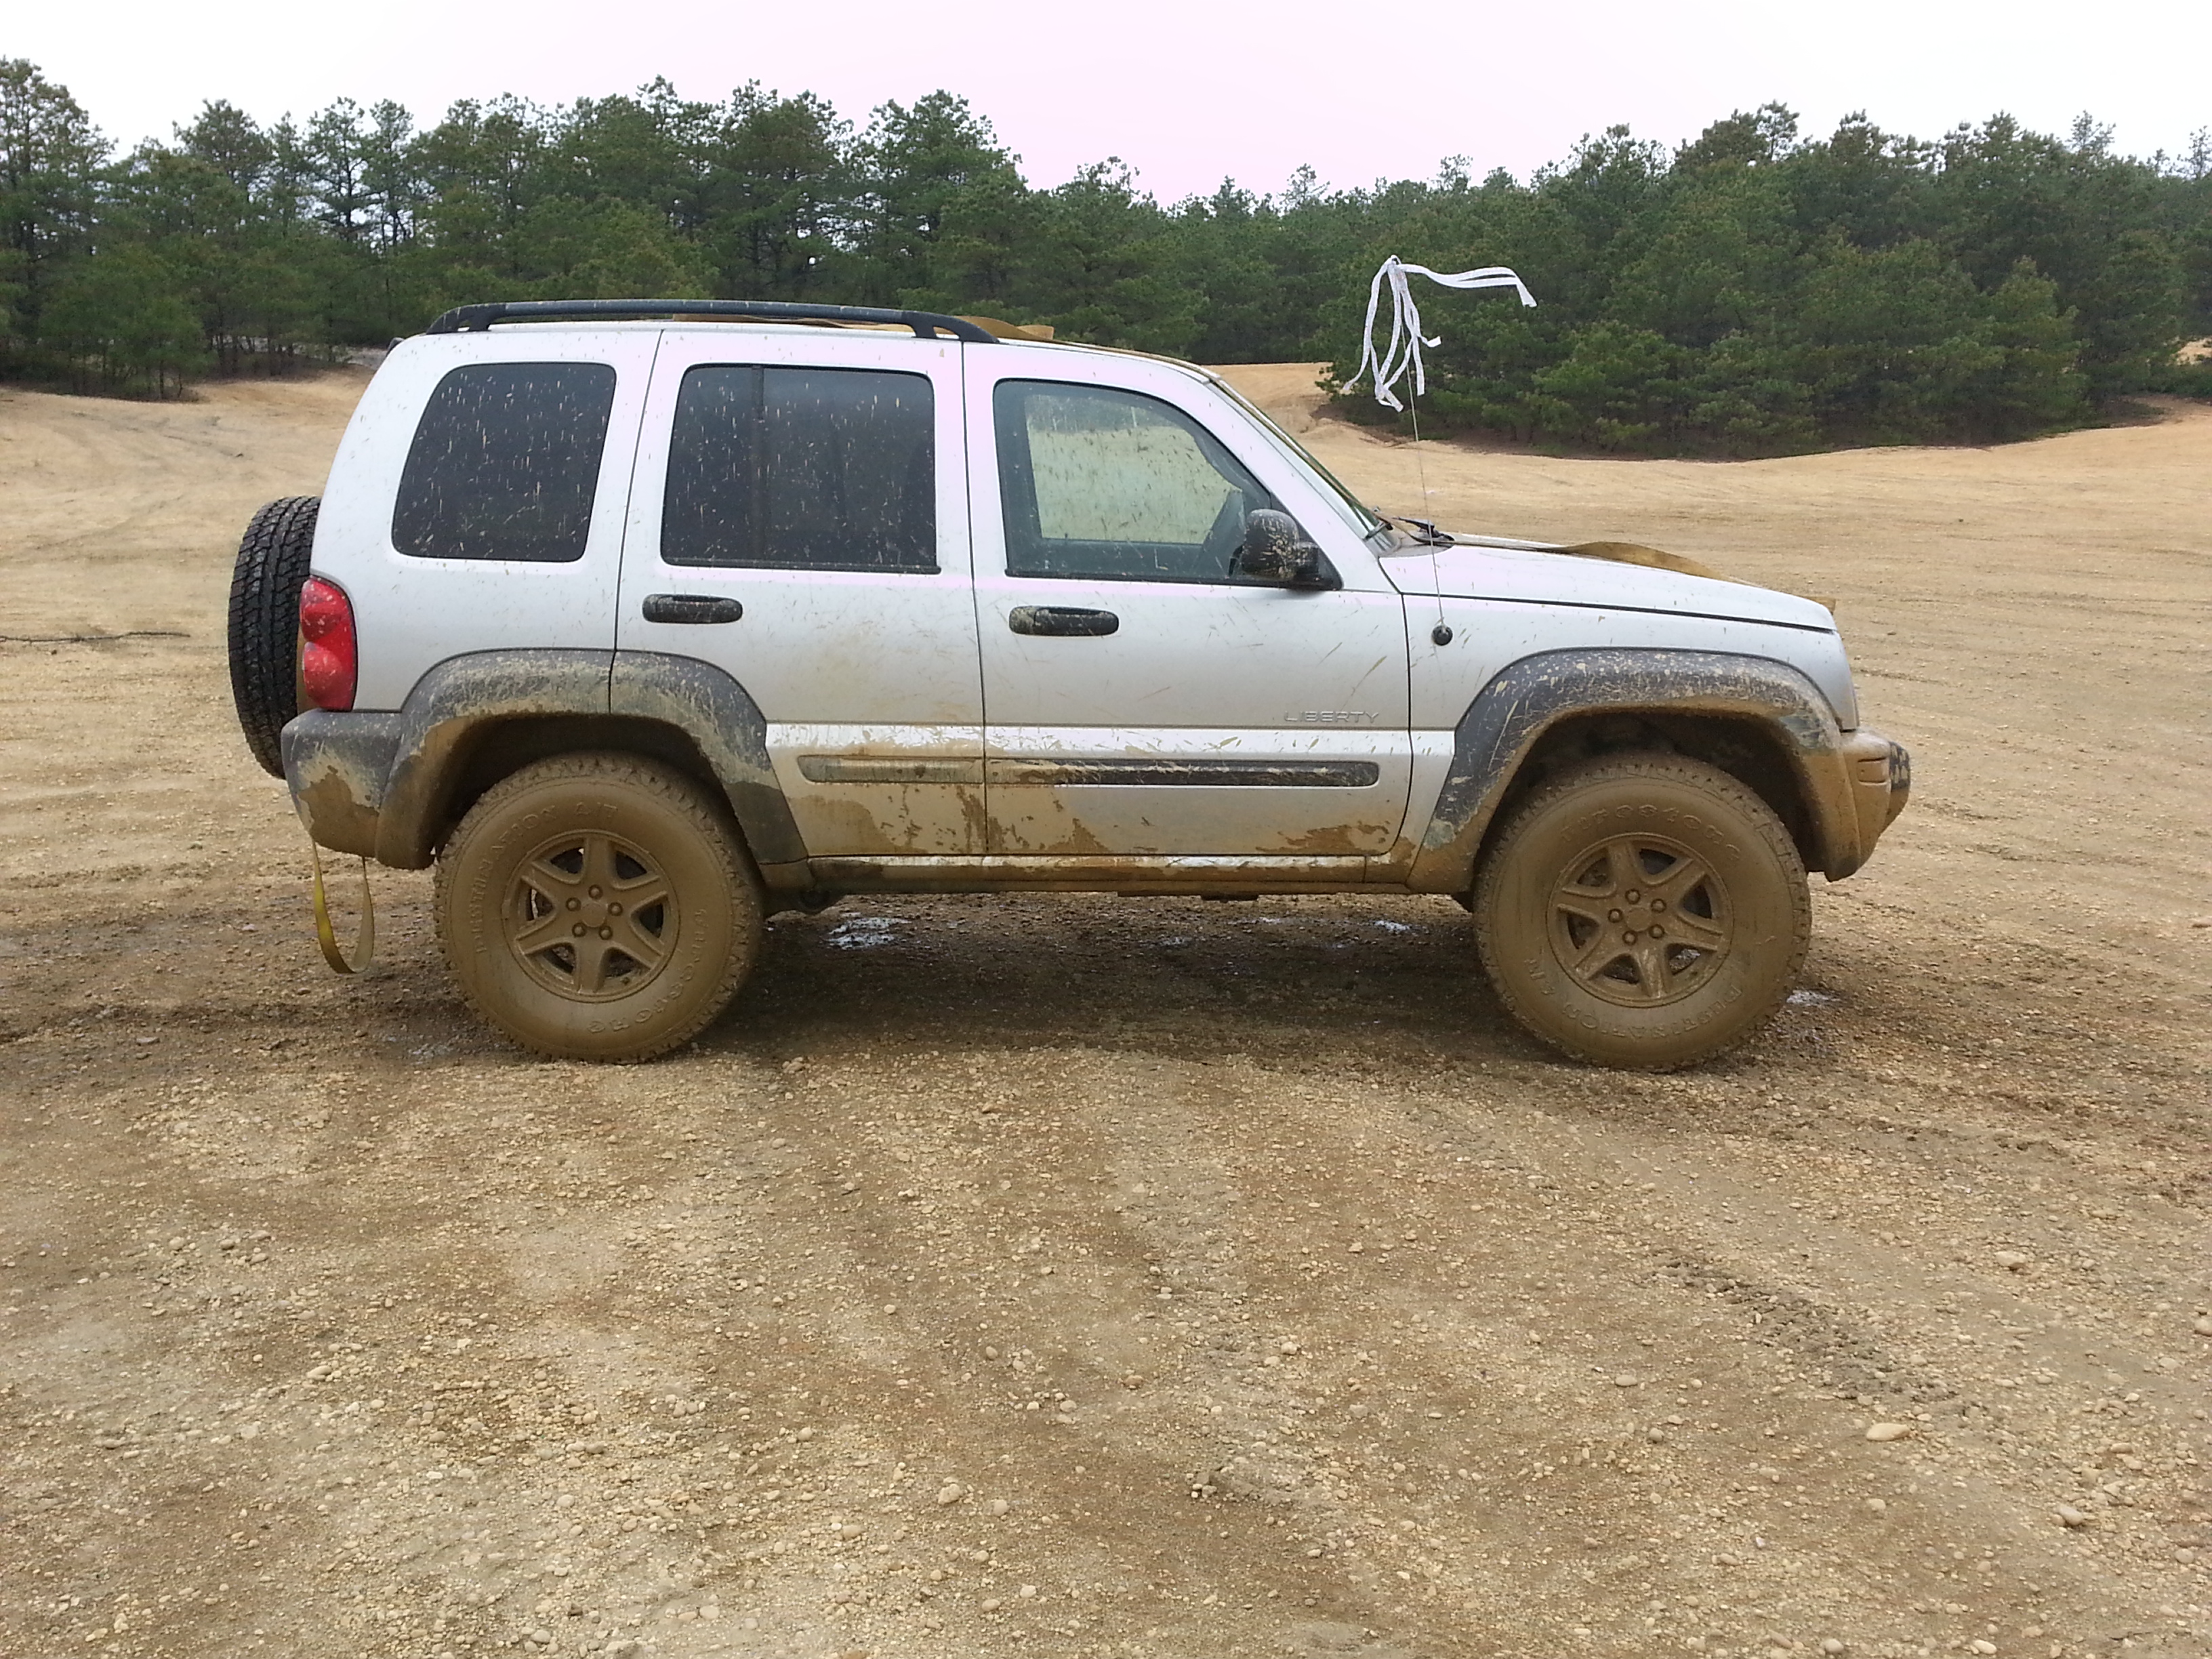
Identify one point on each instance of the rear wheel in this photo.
(1643, 910)
(598, 907)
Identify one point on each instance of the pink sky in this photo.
(1187, 92)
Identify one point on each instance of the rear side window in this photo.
(506, 463)
(819, 469)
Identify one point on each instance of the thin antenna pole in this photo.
(1420, 469)
(1421, 475)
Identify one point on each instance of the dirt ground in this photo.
(1099, 1277)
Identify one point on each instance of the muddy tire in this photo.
(1643, 911)
(598, 907)
(265, 622)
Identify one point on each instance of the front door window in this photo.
(1106, 485)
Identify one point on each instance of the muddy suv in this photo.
(644, 620)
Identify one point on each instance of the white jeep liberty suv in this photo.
(645, 619)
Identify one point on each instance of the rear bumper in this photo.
(339, 767)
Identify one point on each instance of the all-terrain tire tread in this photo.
(273, 560)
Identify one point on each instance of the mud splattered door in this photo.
(800, 521)
(1142, 699)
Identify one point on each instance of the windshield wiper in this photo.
(1421, 529)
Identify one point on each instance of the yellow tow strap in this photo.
(364, 948)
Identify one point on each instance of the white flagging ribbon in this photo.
(1405, 340)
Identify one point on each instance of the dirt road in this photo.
(1101, 1277)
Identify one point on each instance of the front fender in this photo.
(1512, 714)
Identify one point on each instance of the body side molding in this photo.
(1168, 773)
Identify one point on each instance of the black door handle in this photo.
(1062, 621)
(692, 608)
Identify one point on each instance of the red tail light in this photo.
(330, 658)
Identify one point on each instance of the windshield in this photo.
(1356, 512)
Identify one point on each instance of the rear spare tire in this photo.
(273, 558)
(598, 907)
(1643, 911)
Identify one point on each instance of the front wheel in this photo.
(598, 907)
(1643, 911)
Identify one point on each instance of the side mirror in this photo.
(1277, 550)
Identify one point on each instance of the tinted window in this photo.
(505, 463)
(827, 469)
(1098, 482)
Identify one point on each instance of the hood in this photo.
(1533, 573)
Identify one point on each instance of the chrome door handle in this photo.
(1062, 622)
(692, 608)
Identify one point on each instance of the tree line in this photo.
(1753, 292)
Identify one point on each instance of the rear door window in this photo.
(504, 464)
(820, 469)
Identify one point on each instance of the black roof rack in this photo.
(474, 319)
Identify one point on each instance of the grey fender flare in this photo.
(381, 784)
(719, 715)
(1528, 697)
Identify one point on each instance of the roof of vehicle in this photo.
(598, 314)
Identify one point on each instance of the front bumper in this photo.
(1880, 779)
